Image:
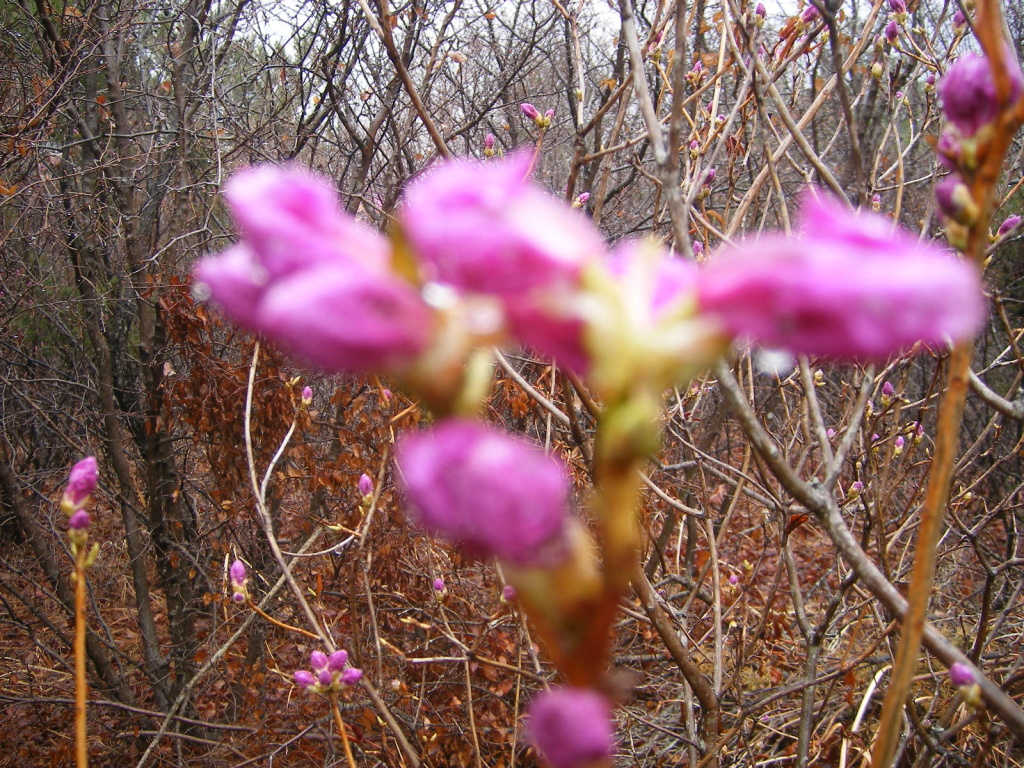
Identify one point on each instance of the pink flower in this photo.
(304, 679)
(318, 660)
(484, 228)
(955, 201)
(850, 287)
(82, 481)
(968, 91)
(439, 584)
(307, 395)
(571, 727)
(351, 676)
(486, 490)
(312, 278)
(810, 13)
(529, 110)
(489, 141)
(508, 593)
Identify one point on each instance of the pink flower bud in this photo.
(571, 727)
(439, 584)
(336, 661)
(955, 200)
(318, 660)
(959, 21)
(529, 110)
(968, 91)
(307, 395)
(483, 228)
(304, 679)
(238, 574)
(850, 287)
(830, 433)
(79, 521)
(238, 597)
(365, 485)
(325, 678)
(489, 141)
(81, 484)
(549, 114)
(508, 593)
(961, 675)
(351, 676)
(897, 6)
(810, 13)
(1011, 223)
(734, 579)
(898, 443)
(583, 197)
(698, 248)
(892, 32)
(888, 389)
(492, 493)
(760, 10)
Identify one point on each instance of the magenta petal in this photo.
(347, 320)
(493, 493)
(292, 219)
(484, 228)
(234, 281)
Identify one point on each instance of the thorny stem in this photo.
(81, 683)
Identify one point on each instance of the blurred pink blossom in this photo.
(492, 493)
(849, 287)
(485, 228)
(571, 727)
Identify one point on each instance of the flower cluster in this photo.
(327, 674)
(482, 256)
